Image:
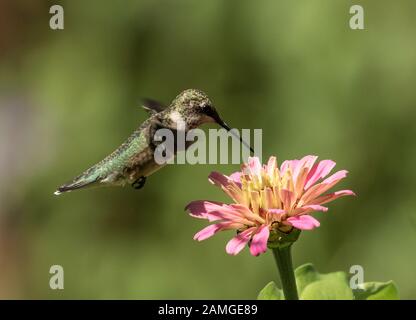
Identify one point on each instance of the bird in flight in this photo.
(134, 160)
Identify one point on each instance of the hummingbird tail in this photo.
(77, 183)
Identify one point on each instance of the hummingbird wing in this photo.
(152, 106)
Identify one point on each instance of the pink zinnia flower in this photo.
(266, 199)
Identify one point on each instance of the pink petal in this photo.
(328, 183)
(306, 162)
(288, 198)
(218, 211)
(336, 177)
(332, 196)
(212, 229)
(259, 241)
(236, 244)
(201, 209)
(308, 209)
(320, 188)
(293, 165)
(309, 161)
(207, 232)
(276, 211)
(284, 166)
(227, 185)
(289, 165)
(305, 222)
(315, 207)
(247, 213)
(255, 166)
(236, 177)
(318, 171)
(271, 166)
(218, 179)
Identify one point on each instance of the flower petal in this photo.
(308, 209)
(320, 188)
(236, 178)
(255, 201)
(288, 198)
(247, 213)
(259, 241)
(318, 171)
(289, 165)
(305, 222)
(201, 209)
(315, 207)
(271, 167)
(276, 211)
(207, 232)
(268, 200)
(212, 229)
(236, 244)
(309, 161)
(301, 172)
(219, 179)
(255, 166)
(213, 211)
(336, 177)
(231, 188)
(284, 166)
(332, 196)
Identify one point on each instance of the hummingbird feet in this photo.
(139, 183)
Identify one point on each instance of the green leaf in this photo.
(313, 285)
(305, 274)
(270, 292)
(332, 286)
(377, 291)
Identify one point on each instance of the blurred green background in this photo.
(293, 68)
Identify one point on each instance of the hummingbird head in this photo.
(195, 108)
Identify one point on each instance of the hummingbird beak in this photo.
(221, 122)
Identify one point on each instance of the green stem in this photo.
(283, 259)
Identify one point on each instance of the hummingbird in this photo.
(133, 161)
